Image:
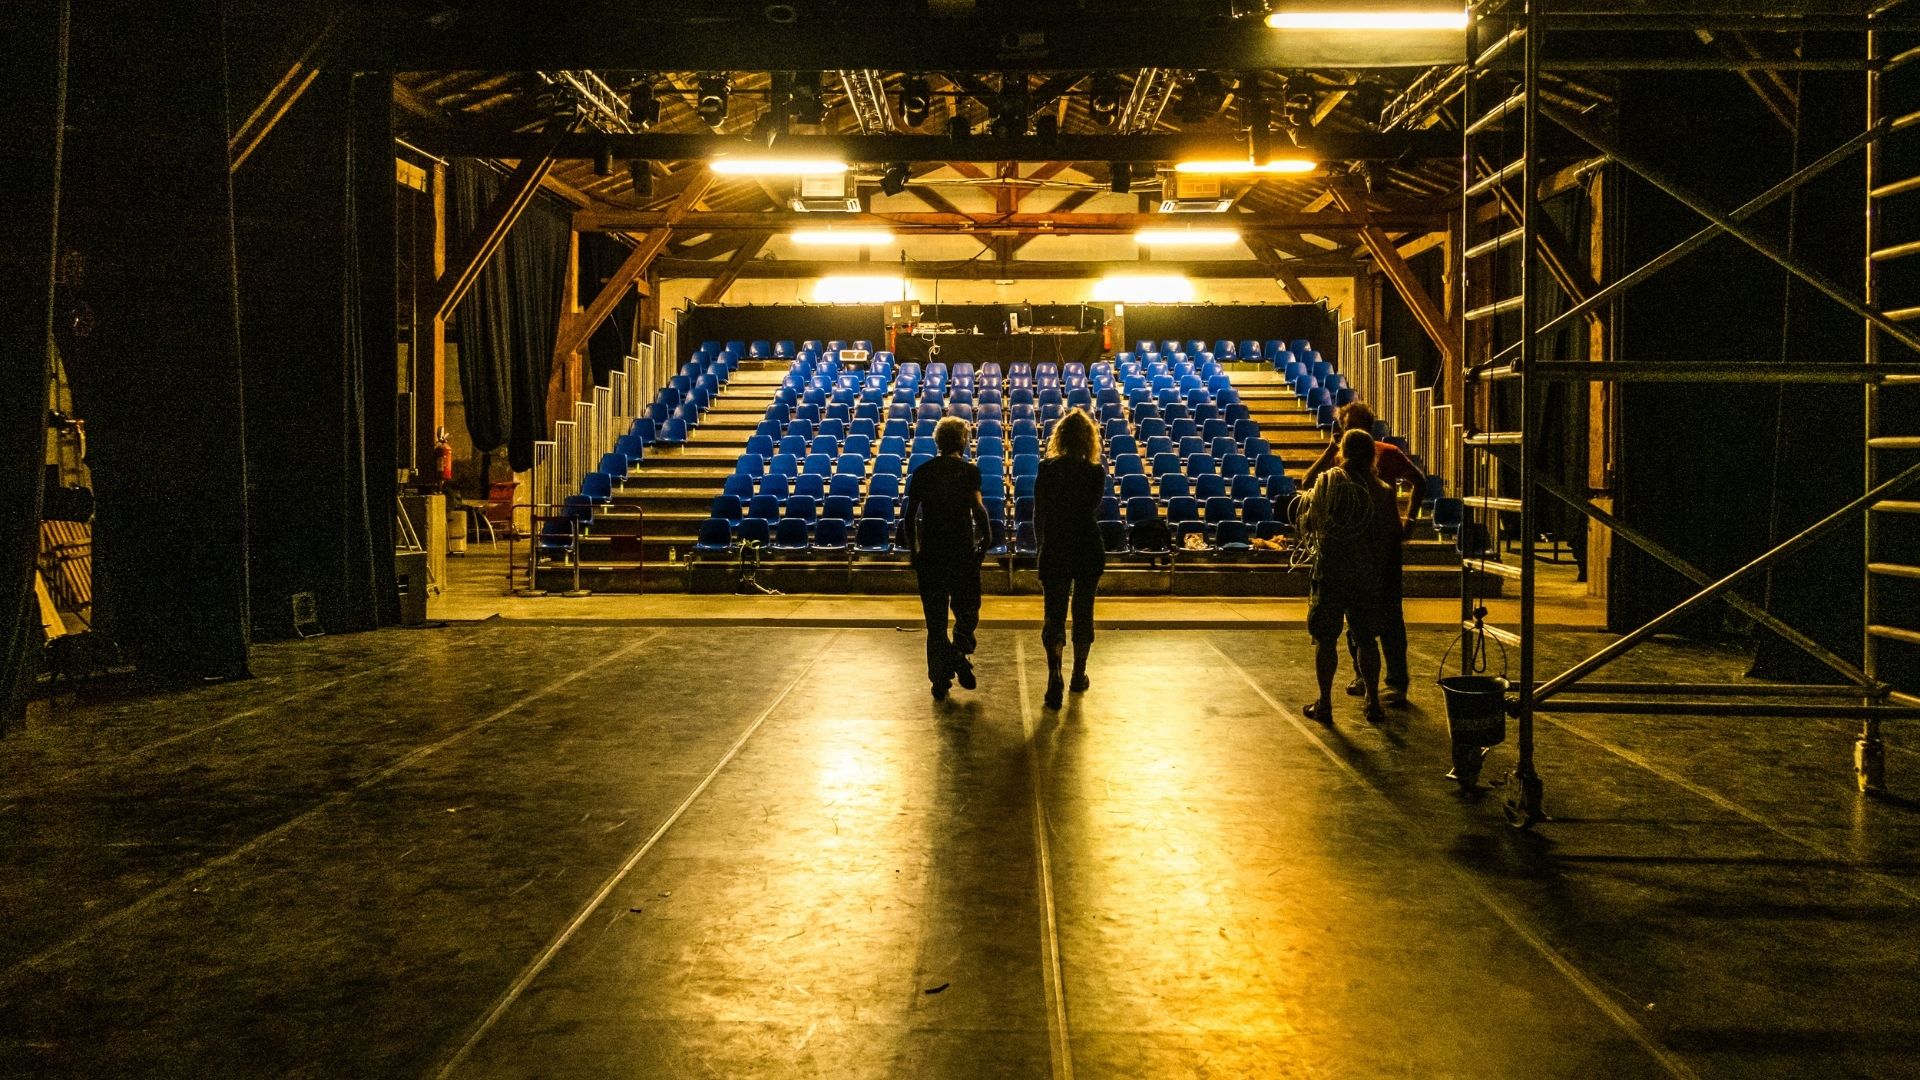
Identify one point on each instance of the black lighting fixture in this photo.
(715, 92)
(959, 128)
(1203, 96)
(643, 106)
(1257, 114)
(808, 102)
(603, 159)
(894, 180)
(1014, 106)
(1120, 177)
(1103, 99)
(1046, 126)
(916, 101)
(641, 174)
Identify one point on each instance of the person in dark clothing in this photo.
(1353, 522)
(945, 528)
(1066, 509)
(1396, 470)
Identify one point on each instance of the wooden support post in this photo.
(718, 287)
(1277, 267)
(1602, 399)
(563, 376)
(471, 256)
(1387, 258)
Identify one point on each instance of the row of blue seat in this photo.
(879, 537)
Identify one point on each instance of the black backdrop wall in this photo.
(1718, 472)
(772, 322)
(32, 67)
(1211, 322)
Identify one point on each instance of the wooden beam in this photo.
(470, 256)
(1277, 268)
(717, 287)
(948, 222)
(575, 332)
(979, 269)
(1422, 244)
(1425, 311)
(1068, 205)
(254, 129)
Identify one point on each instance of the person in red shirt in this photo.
(1395, 469)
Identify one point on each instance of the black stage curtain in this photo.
(147, 211)
(1002, 349)
(612, 340)
(33, 68)
(315, 209)
(509, 318)
(772, 322)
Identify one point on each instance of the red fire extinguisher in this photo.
(443, 457)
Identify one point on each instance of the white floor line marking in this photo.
(1732, 807)
(1588, 989)
(540, 962)
(1054, 982)
(105, 922)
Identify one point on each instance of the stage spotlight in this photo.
(808, 105)
(642, 105)
(641, 174)
(1203, 97)
(894, 180)
(715, 90)
(1103, 100)
(603, 159)
(959, 128)
(1046, 126)
(1120, 177)
(916, 101)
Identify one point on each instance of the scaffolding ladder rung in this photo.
(1494, 502)
(1897, 251)
(1904, 314)
(1494, 50)
(1900, 380)
(1895, 442)
(1504, 637)
(1895, 633)
(1494, 374)
(1896, 187)
(1498, 307)
(1488, 247)
(1897, 506)
(1905, 121)
(1492, 566)
(1492, 438)
(1498, 176)
(1899, 570)
(1900, 59)
(1496, 114)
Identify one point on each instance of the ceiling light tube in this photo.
(860, 237)
(1240, 166)
(766, 166)
(1428, 19)
(1186, 237)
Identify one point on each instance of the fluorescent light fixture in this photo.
(857, 237)
(1186, 237)
(1386, 19)
(1239, 166)
(1144, 289)
(860, 289)
(769, 166)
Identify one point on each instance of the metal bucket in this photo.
(1476, 708)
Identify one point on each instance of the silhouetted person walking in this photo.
(1354, 524)
(1066, 509)
(942, 527)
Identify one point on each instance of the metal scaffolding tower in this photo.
(1506, 101)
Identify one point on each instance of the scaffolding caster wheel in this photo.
(1870, 765)
(1467, 760)
(1524, 801)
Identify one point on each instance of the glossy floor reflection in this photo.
(514, 851)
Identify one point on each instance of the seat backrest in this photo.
(1256, 508)
(1209, 486)
(1135, 484)
(1183, 508)
(801, 506)
(775, 484)
(764, 505)
(726, 506)
(715, 532)
(1244, 487)
(1234, 465)
(872, 533)
(817, 465)
(884, 483)
(1164, 464)
(1230, 532)
(738, 484)
(845, 484)
(838, 506)
(1219, 508)
(812, 485)
(750, 465)
(790, 532)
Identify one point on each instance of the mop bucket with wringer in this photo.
(1476, 708)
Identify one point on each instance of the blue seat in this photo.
(924, 444)
(838, 506)
(727, 507)
(874, 536)
(847, 484)
(859, 446)
(1209, 486)
(803, 507)
(761, 445)
(794, 445)
(738, 485)
(631, 447)
(1023, 539)
(783, 465)
(1023, 486)
(877, 506)
(750, 465)
(1135, 485)
(716, 536)
(1026, 444)
(1448, 514)
(817, 465)
(916, 461)
(789, 534)
(884, 483)
(1256, 509)
(775, 484)
(1280, 486)
(1128, 465)
(1123, 444)
(1166, 464)
(1173, 485)
(597, 487)
(1023, 508)
(1025, 464)
(830, 535)
(1142, 508)
(1243, 488)
(1113, 535)
(1219, 508)
(1201, 465)
(642, 429)
(1232, 536)
(812, 485)
(1435, 489)
(672, 433)
(1235, 465)
(1183, 508)
(1109, 508)
(614, 465)
(764, 507)
(850, 465)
